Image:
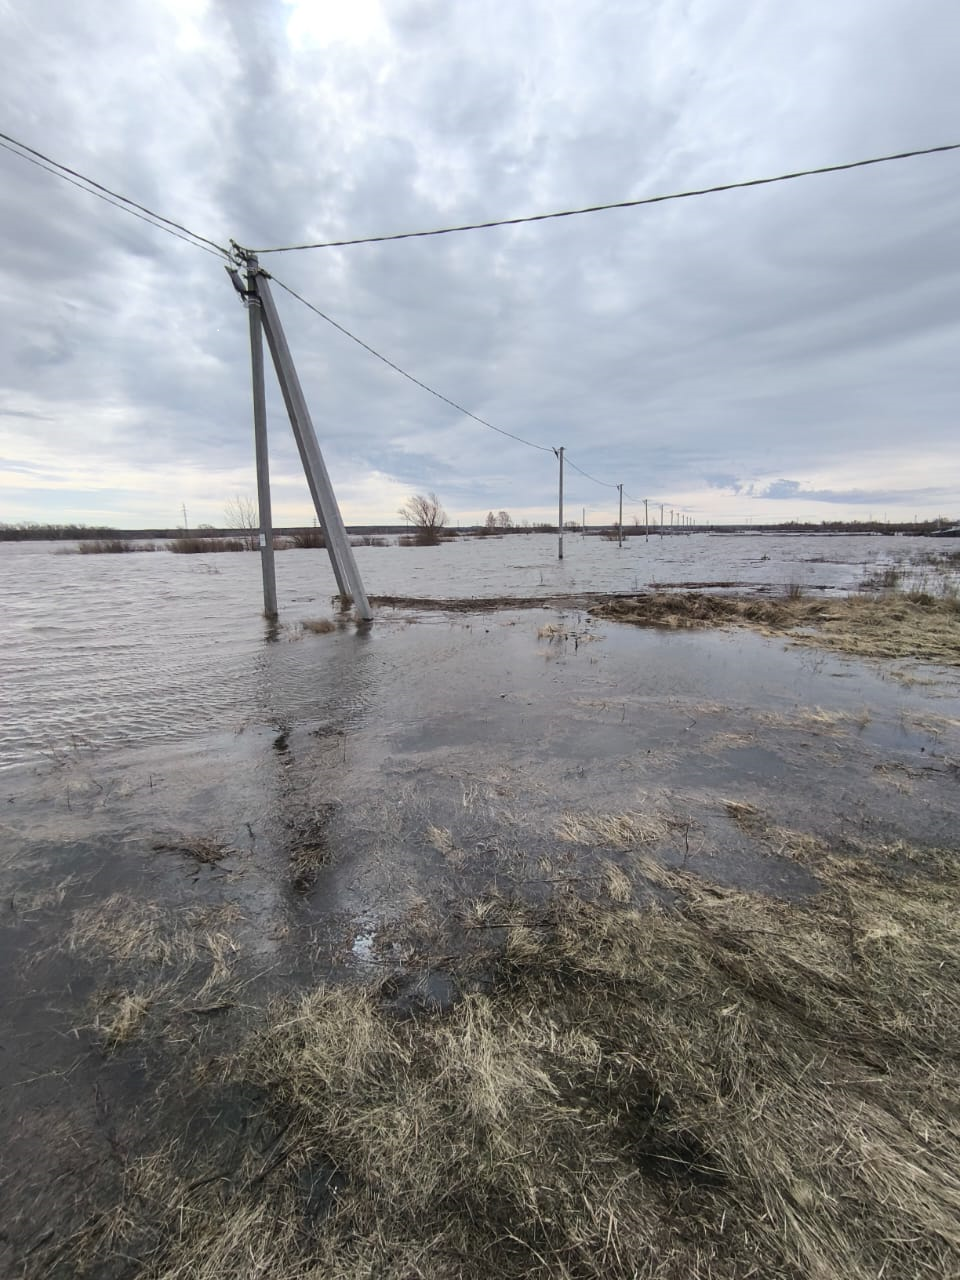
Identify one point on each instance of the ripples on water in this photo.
(110, 650)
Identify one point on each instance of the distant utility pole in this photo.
(646, 522)
(349, 582)
(620, 519)
(661, 521)
(183, 508)
(559, 453)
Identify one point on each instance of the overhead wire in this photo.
(424, 386)
(618, 204)
(403, 373)
(606, 483)
(118, 200)
(127, 205)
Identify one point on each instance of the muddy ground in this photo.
(154, 900)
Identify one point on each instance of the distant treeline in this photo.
(25, 532)
(29, 532)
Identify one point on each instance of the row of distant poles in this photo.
(677, 518)
(264, 318)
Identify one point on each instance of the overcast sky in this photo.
(775, 353)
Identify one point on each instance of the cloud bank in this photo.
(697, 352)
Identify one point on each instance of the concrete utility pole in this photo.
(267, 568)
(559, 453)
(341, 555)
(646, 521)
(620, 519)
(661, 521)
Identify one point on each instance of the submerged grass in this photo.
(112, 546)
(726, 1086)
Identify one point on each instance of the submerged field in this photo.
(515, 941)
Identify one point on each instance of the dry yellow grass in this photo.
(890, 625)
(730, 1086)
(612, 830)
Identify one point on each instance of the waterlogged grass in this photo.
(888, 625)
(199, 546)
(112, 546)
(709, 1084)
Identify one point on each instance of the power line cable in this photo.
(426, 387)
(403, 373)
(95, 188)
(606, 484)
(106, 199)
(619, 204)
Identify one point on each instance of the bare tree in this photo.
(241, 513)
(504, 520)
(426, 514)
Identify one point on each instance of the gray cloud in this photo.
(789, 490)
(806, 330)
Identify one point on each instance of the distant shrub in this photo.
(305, 539)
(196, 546)
(420, 538)
(368, 540)
(112, 547)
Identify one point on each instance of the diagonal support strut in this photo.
(341, 554)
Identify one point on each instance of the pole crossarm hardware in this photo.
(258, 295)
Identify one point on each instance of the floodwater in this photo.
(112, 651)
(357, 779)
(147, 698)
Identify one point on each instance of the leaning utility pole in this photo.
(646, 521)
(559, 453)
(341, 555)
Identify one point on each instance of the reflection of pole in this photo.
(267, 568)
(559, 453)
(646, 522)
(620, 520)
(341, 555)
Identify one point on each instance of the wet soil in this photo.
(504, 751)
